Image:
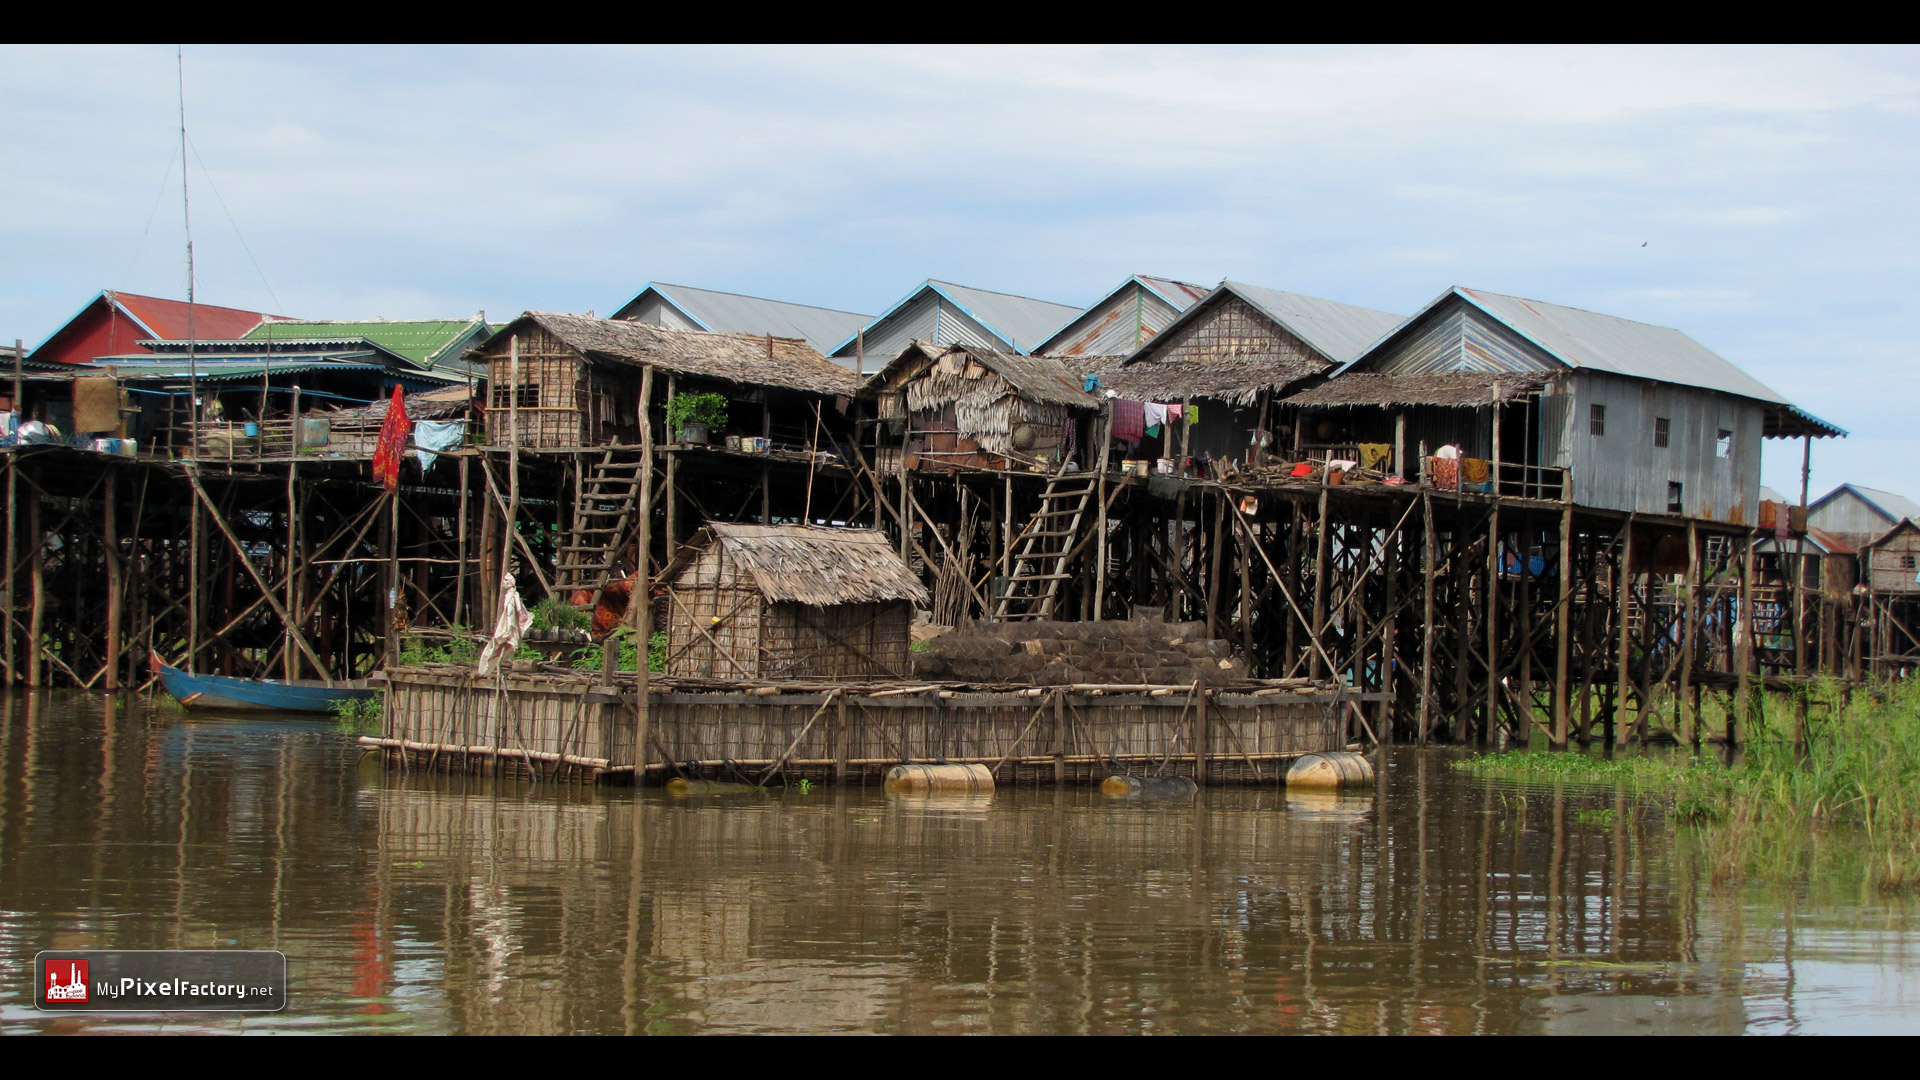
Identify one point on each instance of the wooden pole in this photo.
(109, 491)
(1104, 428)
(640, 605)
(390, 541)
(1623, 628)
(1799, 602)
(1491, 716)
(1690, 626)
(1390, 638)
(513, 447)
(1743, 652)
(1562, 625)
(1400, 445)
(36, 585)
(1215, 547)
(462, 571)
(291, 658)
(1323, 538)
(10, 598)
(1426, 610)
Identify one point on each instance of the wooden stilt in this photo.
(1426, 613)
(1690, 627)
(1321, 542)
(1743, 650)
(111, 565)
(1562, 612)
(640, 607)
(36, 586)
(1490, 711)
(1623, 633)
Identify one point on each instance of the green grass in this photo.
(1848, 808)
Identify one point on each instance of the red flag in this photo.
(394, 433)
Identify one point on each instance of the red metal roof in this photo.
(111, 322)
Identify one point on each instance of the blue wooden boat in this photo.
(224, 692)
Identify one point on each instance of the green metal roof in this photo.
(425, 341)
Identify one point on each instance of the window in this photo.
(1597, 419)
(1662, 431)
(1723, 445)
(528, 397)
(1906, 562)
(1675, 502)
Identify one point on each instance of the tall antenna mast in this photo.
(186, 215)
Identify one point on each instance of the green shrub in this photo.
(360, 717)
(702, 407)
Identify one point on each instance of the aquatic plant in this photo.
(1846, 804)
(555, 613)
(362, 716)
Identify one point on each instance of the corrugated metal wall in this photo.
(1848, 513)
(656, 311)
(1623, 469)
(1459, 337)
(1119, 326)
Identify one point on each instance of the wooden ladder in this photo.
(1046, 548)
(603, 513)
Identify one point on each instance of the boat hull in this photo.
(222, 692)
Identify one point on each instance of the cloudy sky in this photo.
(1762, 200)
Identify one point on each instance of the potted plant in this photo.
(694, 415)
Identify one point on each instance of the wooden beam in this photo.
(240, 553)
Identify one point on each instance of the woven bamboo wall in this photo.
(858, 641)
(552, 394)
(714, 620)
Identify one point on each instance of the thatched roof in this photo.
(1037, 378)
(746, 359)
(818, 566)
(1236, 380)
(1448, 389)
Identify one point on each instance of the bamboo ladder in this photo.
(602, 517)
(1045, 550)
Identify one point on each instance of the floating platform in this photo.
(555, 724)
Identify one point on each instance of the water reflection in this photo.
(424, 903)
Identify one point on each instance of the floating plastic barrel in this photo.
(1148, 787)
(938, 779)
(682, 788)
(1335, 769)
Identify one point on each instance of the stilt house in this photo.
(949, 314)
(789, 602)
(573, 381)
(962, 406)
(1640, 418)
(1124, 319)
(1235, 352)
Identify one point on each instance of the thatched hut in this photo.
(573, 381)
(964, 407)
(789, 602)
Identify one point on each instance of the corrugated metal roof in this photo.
(173, 366)
(1181, 294)
(1019, 322)
(1587, 339)
(1077, 335)
(733, 313)
(423, 341)
(1341, 332)
(1895, 507)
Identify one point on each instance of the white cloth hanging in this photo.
(513, 621)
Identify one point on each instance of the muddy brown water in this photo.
(446, 904)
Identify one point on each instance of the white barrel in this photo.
(928, 779)
(1334, 769)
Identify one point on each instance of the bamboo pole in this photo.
(1743, 652)
(1562, 626)
(1623, 630)
(290, 657)
(114, 585)
(1323, 538)
(640, 604)
(1491, 715)
(461, 574)
(36, 585)
(1426, 625)
(266, 589)
(1691, 627)
(10, 598)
